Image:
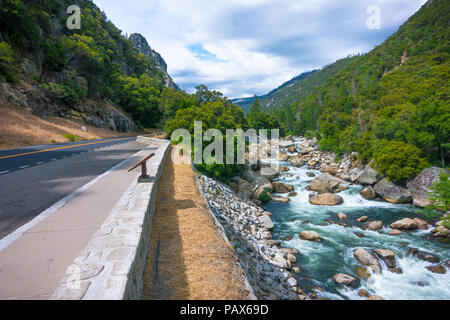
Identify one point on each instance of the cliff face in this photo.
(140, 43)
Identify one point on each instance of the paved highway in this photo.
(34, 178)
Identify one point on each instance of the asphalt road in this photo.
(34, 178)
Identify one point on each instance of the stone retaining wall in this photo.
(112, 265)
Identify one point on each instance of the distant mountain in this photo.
(296, 88)
(273, 96)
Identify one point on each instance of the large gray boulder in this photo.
(326, 183)
(369, 176)
(279, 187)
(421, 184)
(392, 193)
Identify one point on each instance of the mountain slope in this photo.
(93, 75)
(398, 92)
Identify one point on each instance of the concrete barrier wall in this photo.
(113, 263)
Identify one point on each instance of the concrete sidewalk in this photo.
(32, 266)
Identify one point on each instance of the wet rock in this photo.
(279, 187)
(363, 219)
(326, 183)
(394, 233)
(362, 272)
(310, 174)
(366, 258)
(421, 224)
(292, 194)
(289, 238)
(387, 256)
(375, 297)
(392, 193)
(296, 270)
(396, 270)
(310, 236)
(342, 216)
(360, 234)
(280, 199)
(327, 199)
(345, 279)
(291, 258)
(291, 149)
(283, 169)
(421, 184)
(291, 282)
(364, 293)
(375, 225)
(422, 255)
(439, 269)
(368, 193)
(404, 224)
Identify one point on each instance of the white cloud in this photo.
(258, 44)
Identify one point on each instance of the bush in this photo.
(400, 161)
(264, 196)
(71, 137)
(7, 61)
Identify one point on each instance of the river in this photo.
(320, 261)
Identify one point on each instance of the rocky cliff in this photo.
(140, 43)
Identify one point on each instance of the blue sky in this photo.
(247, 47)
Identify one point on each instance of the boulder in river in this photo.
(310, 236)
(342, 216)
(366, 258)
(363, 219)
(387, 256)
(394, 232)
(310, 174)
(326, 183)
(375, 225)
(362, 272)
(392, 193)
(368, 193)
(345, 279)
(439, 269)
(422, 255)
(280, 199)
(364, 293)
(421, 224)
(404, 224)
(375, 297)
(421, 184)
(279, 187)
(326, 199)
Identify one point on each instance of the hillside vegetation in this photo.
(390, 104)
(68, 66)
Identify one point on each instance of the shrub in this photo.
(71, 137)
(7, 61)
(264, 196)
(400, 161)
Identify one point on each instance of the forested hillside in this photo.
(390, 104)
(84, 74)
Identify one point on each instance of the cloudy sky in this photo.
(247, 47)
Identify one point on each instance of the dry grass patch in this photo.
(19, 128)
(195, 262)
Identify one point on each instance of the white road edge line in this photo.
(14, 236)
